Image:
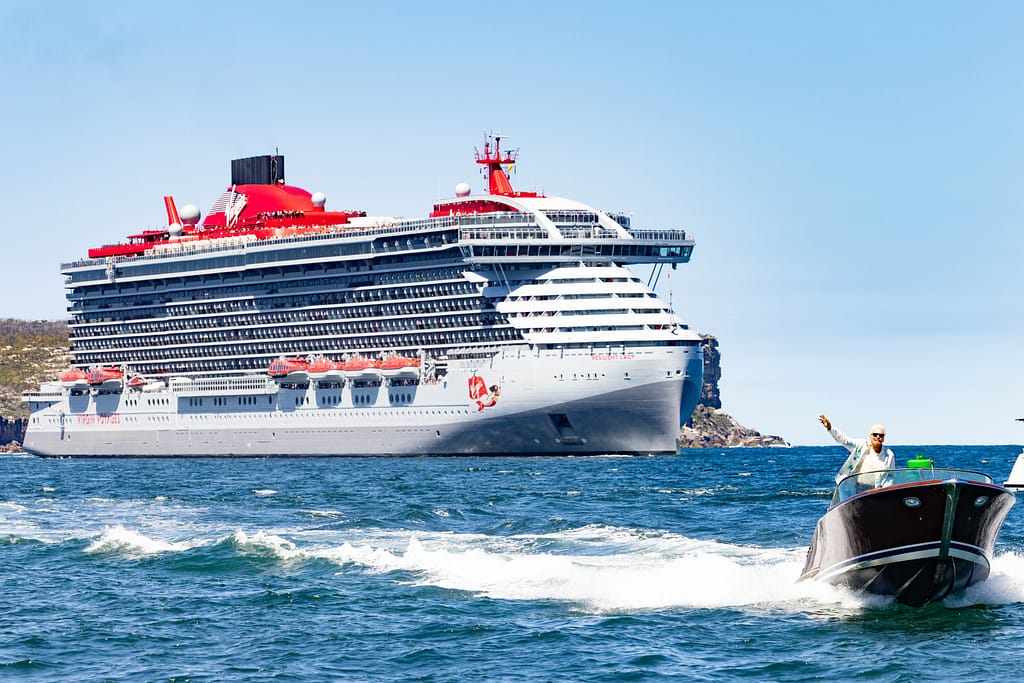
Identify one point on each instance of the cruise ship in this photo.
(503, 323)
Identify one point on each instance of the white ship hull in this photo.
(631, 402)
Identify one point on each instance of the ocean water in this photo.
(467, 569)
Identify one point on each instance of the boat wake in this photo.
(594, 569)
(681, 573)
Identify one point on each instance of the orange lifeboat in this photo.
(396, 366)
(325, 370)
(74, 379)
(359, 367)
(289, 369)
(109, 378)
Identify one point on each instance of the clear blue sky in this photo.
(852, 172)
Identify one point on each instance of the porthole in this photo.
(912, 502)
(981, 501)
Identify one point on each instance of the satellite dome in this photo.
(189, 214)
(462, 190)
(318, 199)
(174, 229)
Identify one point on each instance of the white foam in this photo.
(608, 569)
(1005, 584)
(324, 513)
(611, 582)
(378, 559)
(117, 539)
(262, 542)
(264, 492)
(633, 571)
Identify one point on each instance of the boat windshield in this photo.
(864, 481)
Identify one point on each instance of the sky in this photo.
(851, 172)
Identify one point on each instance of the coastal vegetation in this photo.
(30, 352)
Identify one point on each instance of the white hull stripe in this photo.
(908, 553)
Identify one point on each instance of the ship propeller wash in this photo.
(504, 322)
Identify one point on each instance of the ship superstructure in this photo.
(504, 322)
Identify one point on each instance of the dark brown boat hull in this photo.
(917, 542)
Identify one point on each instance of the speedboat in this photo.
(917, 534)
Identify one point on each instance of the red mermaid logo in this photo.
(478, 391)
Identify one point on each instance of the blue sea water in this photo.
(467, 569)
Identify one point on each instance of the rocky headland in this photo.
(709, 427)
(34, 351)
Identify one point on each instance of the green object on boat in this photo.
(920, 461)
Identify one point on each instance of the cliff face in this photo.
(709, 395)
(31, 352)
(11, 434)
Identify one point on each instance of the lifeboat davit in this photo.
(74, 379)
(325, 370)
(362, 368)
(108, 378)
(400, 367)
(289, 369)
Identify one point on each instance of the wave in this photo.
(266, 545)
(117, 539)
(9, 507)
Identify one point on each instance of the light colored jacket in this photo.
(860, 450)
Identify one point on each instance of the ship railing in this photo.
(222, 385)
(506, 233)
(396, 227)
(43, 394)
(563, 220)
(494, 218)
(571, 233)
(855, 484)
(502, 225)
(664, 235)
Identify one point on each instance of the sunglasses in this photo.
(877, 435)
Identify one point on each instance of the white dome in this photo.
(189, 214)
(462, 190)
(318, 199)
